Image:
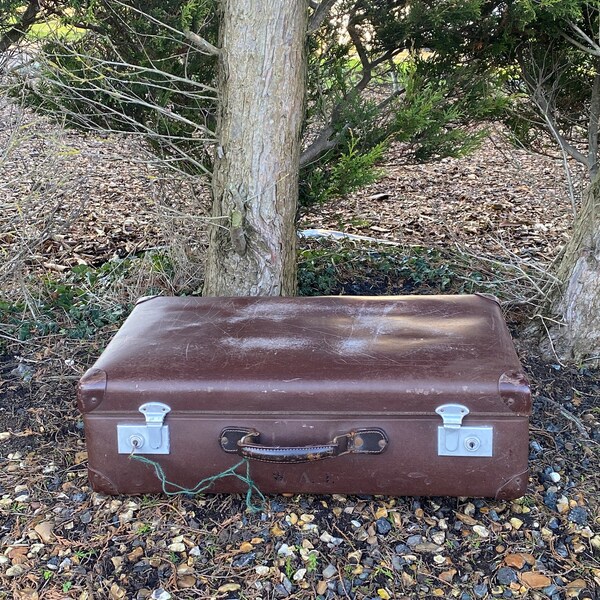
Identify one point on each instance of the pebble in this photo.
(554, 523)
(177, 547)
(554, 477)
(15, 571)
(299, 575)
(383, 526)
(550, 500)
(262, 570)
(506, 576)
(562, 504)
(244, 560)
(329, 539)
(402, 548)
(480, 590)
(160, 594)
(535, 446)
(4, 435)
(285, 550)
(280, 591)
(481, 531)
(578, 515)
(438, 538)
(413, 540)
(329, 571)
(86, 517)
(516, 523)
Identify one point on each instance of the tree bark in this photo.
(252, 247)
(577, 302)
(18, 31)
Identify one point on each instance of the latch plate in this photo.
(456, 439)
(151, 437)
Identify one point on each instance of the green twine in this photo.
(207, 482)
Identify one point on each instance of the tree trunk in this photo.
(252, 248)
(18, 31)
(578, 302)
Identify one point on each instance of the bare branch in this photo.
(585, 37)
(320, 14)
(586, 49)
(202, 44)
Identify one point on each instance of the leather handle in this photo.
(246, 443)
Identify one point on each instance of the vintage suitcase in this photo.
(403, 395)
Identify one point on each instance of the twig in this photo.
(567, 415)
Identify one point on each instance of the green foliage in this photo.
(328, 268)
(352, 170)
(75, 304)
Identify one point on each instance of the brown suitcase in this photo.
(405, 395)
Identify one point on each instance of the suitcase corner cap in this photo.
(91, 389)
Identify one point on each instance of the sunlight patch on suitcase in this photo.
(266, 343)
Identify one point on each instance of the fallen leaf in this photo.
(229, 587)
(535, 580)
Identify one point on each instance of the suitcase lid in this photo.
(404, 355)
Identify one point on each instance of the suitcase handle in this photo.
(245, 442)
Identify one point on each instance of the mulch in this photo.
(58, 539)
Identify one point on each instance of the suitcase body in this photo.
(403, 395)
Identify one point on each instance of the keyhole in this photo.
(472, 444)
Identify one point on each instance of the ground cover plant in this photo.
(87, 226)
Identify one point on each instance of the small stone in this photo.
(262, 570)
(554, 477)
(481, 531)
(280, 591)
(562, 505)
(246, 547)
(321, 587)
(413, 540)
(86, 517)
(45, 531)
(160, 594)
(383, 526)
(578, 515)
(4, 435)
(177, 547)
(299, 575)
(480, 590)
(285, 550)
(329, 571)
(244, 560)
(438, 559)
(595, 541)
(15, 571)
(439, 537)
(550, 500)
(506, 576)
(516, 523)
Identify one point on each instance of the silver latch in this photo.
(455, 439)
(151, 438)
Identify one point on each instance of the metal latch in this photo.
(151, 438)
(455, 439)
